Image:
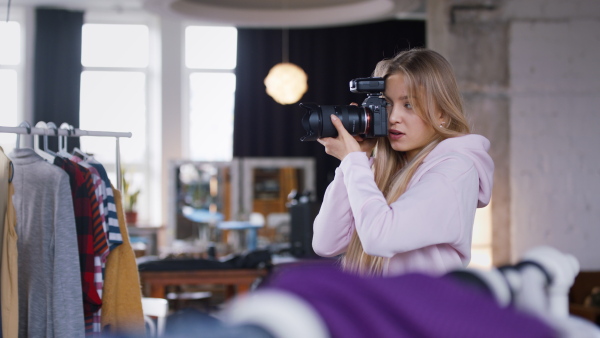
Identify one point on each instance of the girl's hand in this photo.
(366, 144)
(345, 143)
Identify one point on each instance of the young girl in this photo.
(413, 211)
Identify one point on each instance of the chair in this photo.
(155, 307)
(584, 283)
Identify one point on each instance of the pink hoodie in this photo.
(429, 228)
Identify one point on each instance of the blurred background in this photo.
(186, 77)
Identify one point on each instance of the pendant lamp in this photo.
(286, 82)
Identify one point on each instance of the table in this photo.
(250, 228)
(236, 281)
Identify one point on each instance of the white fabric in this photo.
(283, 314)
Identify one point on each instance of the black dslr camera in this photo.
(369, 121)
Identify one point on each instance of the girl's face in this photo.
(407, 131)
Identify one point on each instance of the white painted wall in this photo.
(532, 68)
(554, 60)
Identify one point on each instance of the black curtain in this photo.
(331, 57)
(57, 69)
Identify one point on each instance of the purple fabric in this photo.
(410, 305)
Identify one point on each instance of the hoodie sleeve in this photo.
(334, 225)
(428, 213)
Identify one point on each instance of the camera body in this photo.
(369, 120)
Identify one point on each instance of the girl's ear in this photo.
(442, 120)
(440, 114)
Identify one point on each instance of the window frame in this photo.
(186, 91)
(149, 203)
(19, 16)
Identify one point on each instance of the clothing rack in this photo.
(74, 132)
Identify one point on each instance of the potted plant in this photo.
(130, 198)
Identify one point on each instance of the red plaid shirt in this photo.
(90, 234)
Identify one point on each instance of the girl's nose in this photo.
(394, 116)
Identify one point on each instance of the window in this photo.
(210, 60)
(10, 80)
(481, 247)
(114, 97)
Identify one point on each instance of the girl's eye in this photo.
(408, 106)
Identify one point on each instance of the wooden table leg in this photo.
(243, 288)
(229, 291)
(157, 291)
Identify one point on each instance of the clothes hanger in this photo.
(79, 153)
(76, 151)
(62, 140)
(52, 126)
(27, 126)
(45, 153)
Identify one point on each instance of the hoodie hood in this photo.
(475, 147)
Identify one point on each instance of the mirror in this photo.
(268, 185)
(254, 190)
(201, 193)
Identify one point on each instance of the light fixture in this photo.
(286, 82)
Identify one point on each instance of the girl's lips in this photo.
(395, 134)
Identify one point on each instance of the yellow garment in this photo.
(9, 292)
(122, 296)
(5, 174)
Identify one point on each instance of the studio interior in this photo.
(189, 114)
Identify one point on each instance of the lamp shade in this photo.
(286, 83)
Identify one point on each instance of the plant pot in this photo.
(131, 217)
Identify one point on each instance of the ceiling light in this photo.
(286, 83)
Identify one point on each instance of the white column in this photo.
(172, 108)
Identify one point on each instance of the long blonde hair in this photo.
(433, 89)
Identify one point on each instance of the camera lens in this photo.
(317, 121)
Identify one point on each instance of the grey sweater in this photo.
(50, 301)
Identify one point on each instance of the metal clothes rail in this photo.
(62, 132)
(74, 132)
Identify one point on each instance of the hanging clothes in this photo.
(92, 240)
(99, 261)
(4, 181)
(97, 184)
(109, 212)
(115, 237)
(9, 291)
(48, 266)
(10, 273)
(122, 303)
